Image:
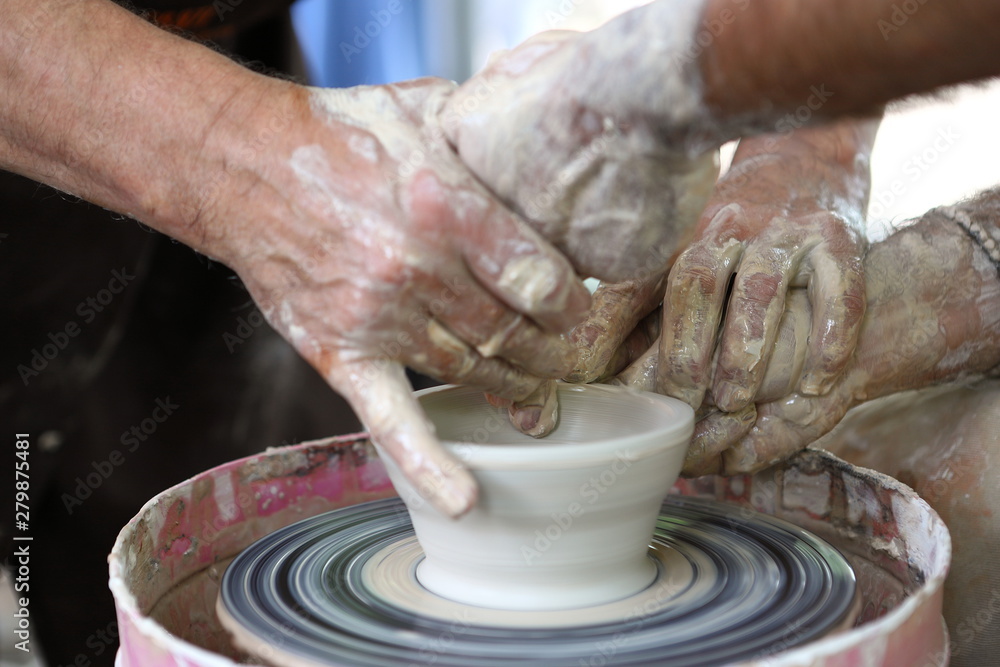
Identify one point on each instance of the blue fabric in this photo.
(354, 42)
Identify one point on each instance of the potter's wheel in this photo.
(340, 589)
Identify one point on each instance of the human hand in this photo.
(788, 214)
(932, 317)
(623, 320)
(614, 187)
(784, 221)
(358, 231)
(369, 246)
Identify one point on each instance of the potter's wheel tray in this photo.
(340, 589)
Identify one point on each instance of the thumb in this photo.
(784, 427)
(384, 401)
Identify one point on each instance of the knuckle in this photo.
(757, 288)
(699, 278)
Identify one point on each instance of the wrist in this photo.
(238, 173)
(829, 164)
(934, 290)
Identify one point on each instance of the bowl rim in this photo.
(517, 456)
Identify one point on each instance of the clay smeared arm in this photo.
(361, 236)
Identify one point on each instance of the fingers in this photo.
(488, 311)
(494, 330)
(837, 293)
(509, 260)
(383, 399)
(641, 373)
(645, 334)
(713, 435)
(754, 313)
(784, 369)
(438, 352)
(693, 306)
(616, 311)
(783, 428)
(537, 414)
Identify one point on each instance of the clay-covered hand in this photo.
(933, 316)
(788, 214)
(359, 232)
(623, 320)
(563, 130)
(374, 247)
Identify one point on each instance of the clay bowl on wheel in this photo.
(562, 522)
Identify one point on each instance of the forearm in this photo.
(934, 296)
(105, 106)
(707, 71)
(863, 52)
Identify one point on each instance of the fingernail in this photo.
(693, 397)
(455, 493)
(526, 420)
(730, 396)
(498, 402)
(535, 281)
(538, 414)
(542, 285)
(577, 376)
(814, 384)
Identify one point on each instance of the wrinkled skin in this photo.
(767, 230)
(382, 225)
(603, 183)
(933, 316)
(787, 215)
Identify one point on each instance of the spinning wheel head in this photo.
(342, 588)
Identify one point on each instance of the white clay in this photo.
(562, 523)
